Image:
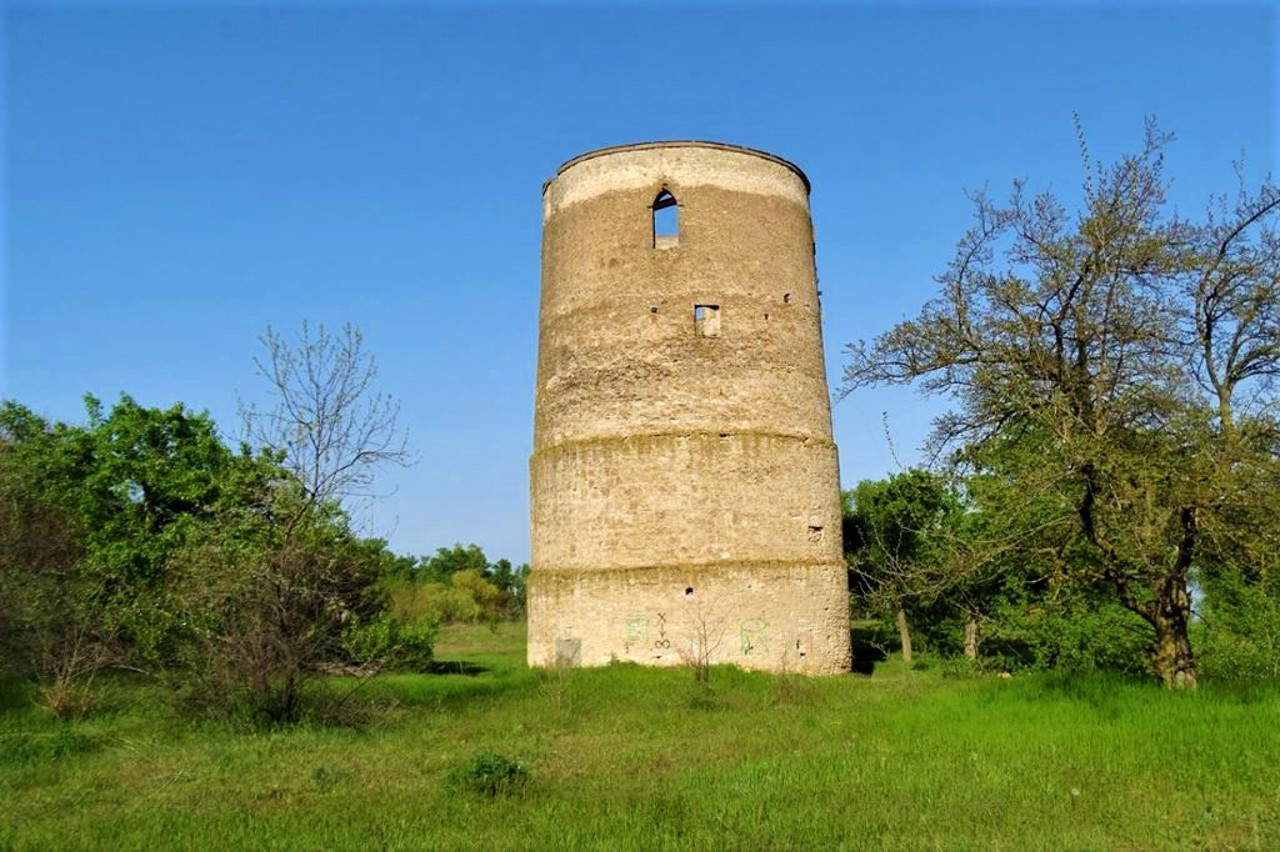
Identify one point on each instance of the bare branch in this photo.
(332, 428)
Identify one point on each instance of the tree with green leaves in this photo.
(1029, 586)
(447, 561)
(133, 481)
(95, 517)
(46, 626)
(1130, 355)
(896, 538)
(141, 540)
(512, 582)
(459, 584)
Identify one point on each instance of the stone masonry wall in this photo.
(684, 482)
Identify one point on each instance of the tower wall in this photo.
(685, 492)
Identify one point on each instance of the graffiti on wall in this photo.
(637, 630)
(751, 633)
(637, 627)
(662, 642)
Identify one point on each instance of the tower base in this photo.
(779, 617)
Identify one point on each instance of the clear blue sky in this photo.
(178, 178)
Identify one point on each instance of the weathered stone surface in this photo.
(684, 482)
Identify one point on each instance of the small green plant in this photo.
(325, 777)
(704, 697)
(488, 774)
(702, 646)
(554, 683)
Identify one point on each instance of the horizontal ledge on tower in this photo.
(613, 440)
(684, 569)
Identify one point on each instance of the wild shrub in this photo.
(1241, 629)
(488, 774)
(959, 668)
(268, 616)
(554, 684)
(388, 642)
(1067, 634)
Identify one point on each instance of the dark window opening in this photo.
(688, 590)
(666, 220)
(706, 320)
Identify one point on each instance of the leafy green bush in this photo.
(1071, 635)
(394, 643)
(1240, 637)
(268, 614)
(488, 774)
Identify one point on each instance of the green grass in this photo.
(630, 758)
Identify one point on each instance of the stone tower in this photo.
(685, 492)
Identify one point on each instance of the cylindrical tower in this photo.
(684, 482)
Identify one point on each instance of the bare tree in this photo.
(703, 644)
(332, 427)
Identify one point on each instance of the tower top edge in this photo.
(683, 143)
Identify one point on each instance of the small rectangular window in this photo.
(706, 320)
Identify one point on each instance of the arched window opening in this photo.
(666, 220)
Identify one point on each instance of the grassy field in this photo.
(629, 758)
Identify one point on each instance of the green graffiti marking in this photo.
(751, 633)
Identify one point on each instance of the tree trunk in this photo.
(1226, 420)
(1170, 613)
(1171, 658)
(971, 635)
(904, 633)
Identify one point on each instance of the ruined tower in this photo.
(685, 492)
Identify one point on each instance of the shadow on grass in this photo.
(868, 649)
(458, 667)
